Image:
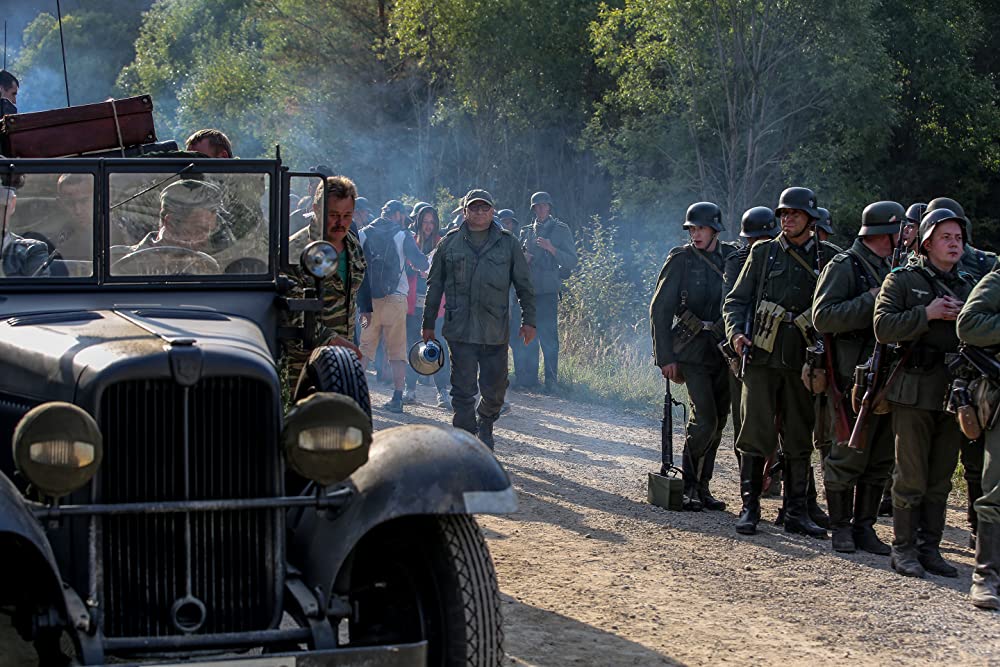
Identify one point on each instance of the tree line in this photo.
(626, 109)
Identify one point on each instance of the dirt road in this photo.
(594, 575)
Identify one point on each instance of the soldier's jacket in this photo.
(22, 257)
(843, 306)
(475, 283)
(734, 264)
(785, 282)
(686, 281)
(339, 304)
(977, 263)
(901, 317)
(979, 321)
(545, 267)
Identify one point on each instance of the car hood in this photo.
(51, 355)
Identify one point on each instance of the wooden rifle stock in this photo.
(747, 332)
(841, 422)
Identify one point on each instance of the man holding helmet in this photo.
(774, 291)
(685, 318)
(843, 306)
(917, 306)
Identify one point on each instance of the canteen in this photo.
(426, 358)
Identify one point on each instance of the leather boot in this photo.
(751, 483)
(904, 550)
(929, 540)
(484, 431)
(986, 576)
(797, 518)
(866, 502)
(690, 501)
(708, 501)
(975, 487)
(816, 512)
(840, 503)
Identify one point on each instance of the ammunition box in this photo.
(666, 491)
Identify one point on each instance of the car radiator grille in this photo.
(231, 455)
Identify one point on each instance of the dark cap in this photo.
(322, 170)
(361, 204)
(477, 195)
(393, 206)
(189, 194)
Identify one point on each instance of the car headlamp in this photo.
(319, 259)
(58, 448)
(326, 437)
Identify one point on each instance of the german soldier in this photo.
(918, 304)
(979, 325)
(686, 323)
(758, 224)
(843, 306)
(774, 292)
(976, 264)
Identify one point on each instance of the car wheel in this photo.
(336, 370)
(428, 578)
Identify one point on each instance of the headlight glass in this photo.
(331, 439)
(319, 258)
(62, 453)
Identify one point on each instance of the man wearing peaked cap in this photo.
(473, 269)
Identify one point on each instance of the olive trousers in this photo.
(768, 392)
(846, 467)
(708, 397)
(927, 444)
(988, 504)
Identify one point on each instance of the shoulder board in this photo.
(840, 257)
(966, 276)
(904, 267)
(677, 249)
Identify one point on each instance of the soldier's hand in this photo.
(943, 308)
(545, 245)
(874, 291)
(340, 341)
(366, 319)
(527, 333)
(671, 372)
(427, 335)
(741, 342)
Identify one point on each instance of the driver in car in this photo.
(189, 215)
(19, 257)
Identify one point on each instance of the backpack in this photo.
(382, 256)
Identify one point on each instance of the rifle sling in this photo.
(798, 258)
(701, 256)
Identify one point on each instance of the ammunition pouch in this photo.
(986, 398)
(767, 322)
(686, 329)
(814, 370)
(804, 323)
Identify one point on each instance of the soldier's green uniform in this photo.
(844, 306)
(927, 437)
(772, 384)
(979, 325)
(976, 263)
(692, 280)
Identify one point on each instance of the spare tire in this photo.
(336, 370)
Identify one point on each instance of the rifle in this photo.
(667, 431)
(747, 332)
(841, 422)
(874, 392)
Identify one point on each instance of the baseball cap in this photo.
(477, 195)
(190, 194)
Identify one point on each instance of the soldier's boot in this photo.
(751, 483)
(904, 549)
(690, 500)
(932, 516)
(840, 502)
(816, 512)
(797, 518)
(484, 431)
(708, 501)
(780, 519)
(866, 502)
(985, 591)
(975, 487)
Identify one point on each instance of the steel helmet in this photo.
(915, 212)
(541, 198)
(956, 208)
(703, 214)
(802, 199)
(758, 221)
(882, 217)
(935, 218)
(825, 221)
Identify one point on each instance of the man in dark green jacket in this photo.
(917, 306)
(473, 269)
(774, 291)
(551, 252)
(843, 306)
(685, 319)
(979, 325)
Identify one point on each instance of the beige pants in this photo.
(389, 319)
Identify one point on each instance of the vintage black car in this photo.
(158, 502)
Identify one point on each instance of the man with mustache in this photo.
(775, 291)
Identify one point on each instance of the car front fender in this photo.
(411, 470)
(27, 554)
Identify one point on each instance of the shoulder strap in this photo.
(798, 258)
(706, 260)
(862, 270)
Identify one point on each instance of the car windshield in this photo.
(158, 220)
